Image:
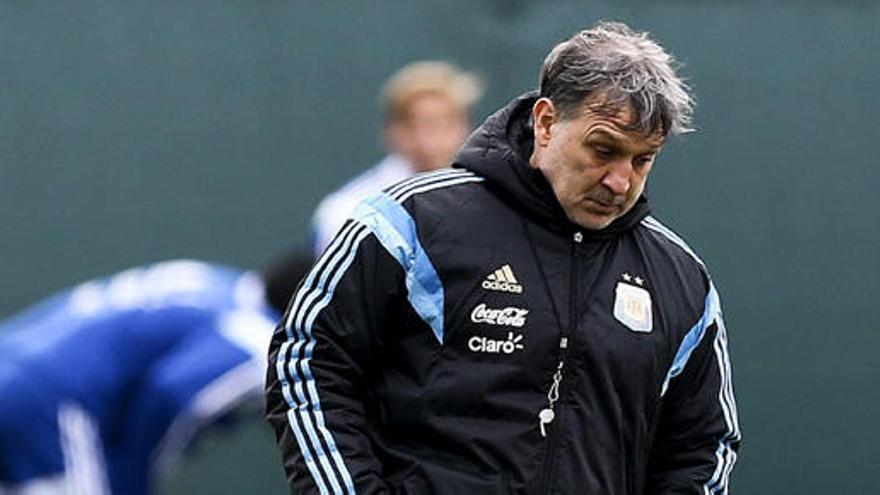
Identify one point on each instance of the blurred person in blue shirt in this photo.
(102, 385)
(426, 109)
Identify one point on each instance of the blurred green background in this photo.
(139, 131)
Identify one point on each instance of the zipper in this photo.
(547, 415)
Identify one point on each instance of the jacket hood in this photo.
(499, 150)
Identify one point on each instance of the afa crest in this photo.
(632, 307)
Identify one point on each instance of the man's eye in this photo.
(644, 160)
(603, 152)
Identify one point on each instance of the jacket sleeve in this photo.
(698, 434)
(319, 365)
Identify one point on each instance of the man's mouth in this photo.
(601, 205)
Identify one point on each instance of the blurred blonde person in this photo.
(427, 106)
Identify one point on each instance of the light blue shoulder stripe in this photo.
(655, 225)
(692, 339)
(396, 231)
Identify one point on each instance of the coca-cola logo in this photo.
(507, 317)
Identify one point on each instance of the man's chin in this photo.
(591, 221)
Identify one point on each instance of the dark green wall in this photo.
(138, 131)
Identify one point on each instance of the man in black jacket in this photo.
(518, 323)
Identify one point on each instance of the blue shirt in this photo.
(147, 355)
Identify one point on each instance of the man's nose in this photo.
(617, 178)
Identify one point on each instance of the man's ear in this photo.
(544, 115)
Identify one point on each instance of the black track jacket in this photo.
(461, 336)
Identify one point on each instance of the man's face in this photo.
(595, 163)
(429, 131)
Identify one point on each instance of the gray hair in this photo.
(619, 67)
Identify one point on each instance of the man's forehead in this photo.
(620, 131)
(620, 121)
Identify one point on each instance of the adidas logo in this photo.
(503, 280)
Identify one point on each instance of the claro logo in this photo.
(493, 346)
(506, 317)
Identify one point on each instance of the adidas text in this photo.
(502, 286)
(503, 280)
